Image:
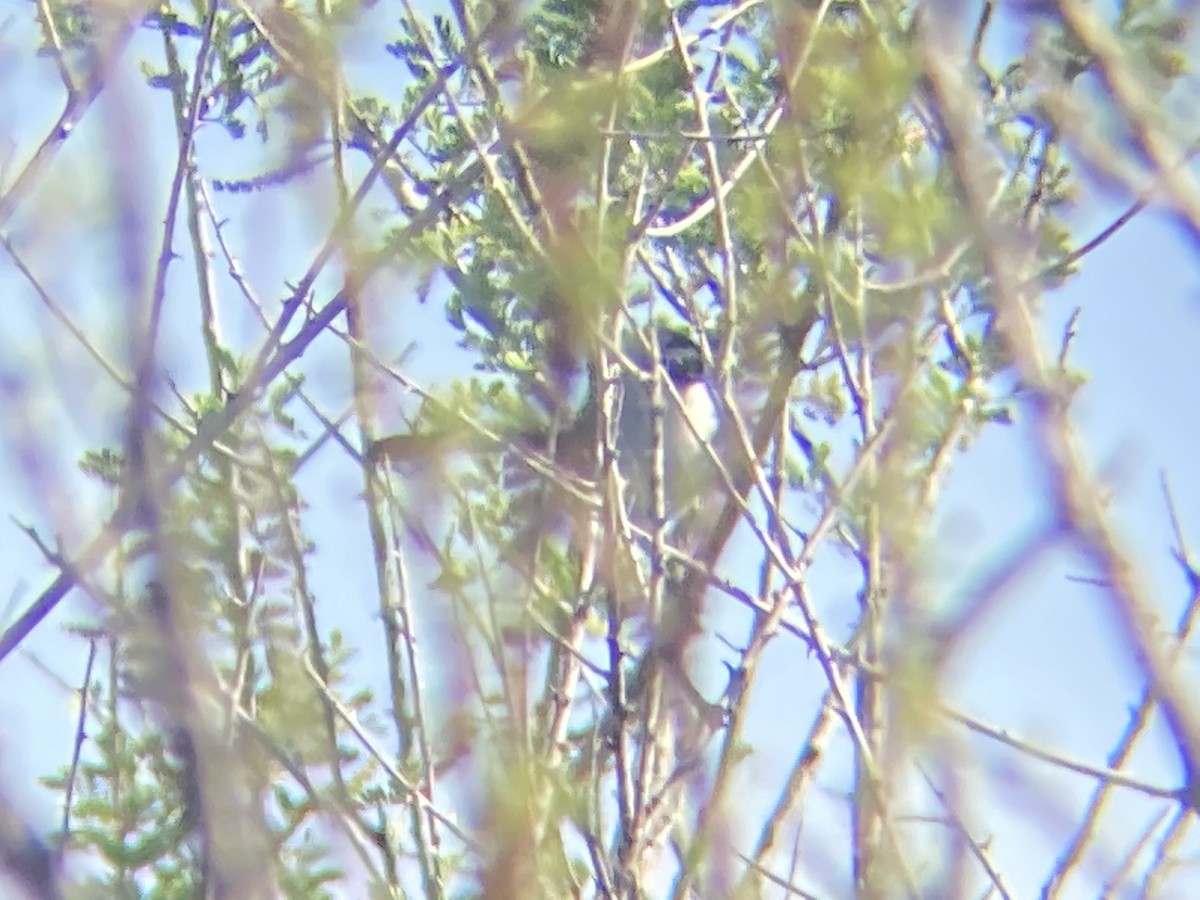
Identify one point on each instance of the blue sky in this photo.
(1047, 664)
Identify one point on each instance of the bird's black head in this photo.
(681, 357)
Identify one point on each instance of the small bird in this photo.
(684, 457)
(575, 445)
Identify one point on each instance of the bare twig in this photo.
(77, 746)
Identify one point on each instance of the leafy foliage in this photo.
(787, 183)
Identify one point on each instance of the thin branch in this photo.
(803, 774)
(77, 747)
(1135, 851)
(1107, 777)
(790, 890)
(1068, 336)
(57, 311)
(414, 793)
(78, 103)
(187, 133)
(1160, 868)
(978, 850)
